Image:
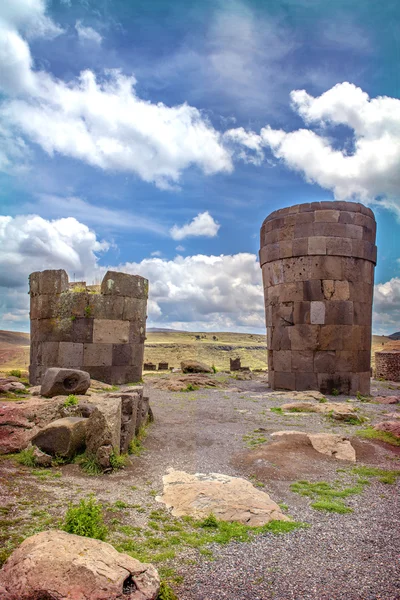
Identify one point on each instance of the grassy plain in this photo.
(173, 346)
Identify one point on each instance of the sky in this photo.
(155, 137)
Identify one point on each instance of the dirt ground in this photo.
(352, 556)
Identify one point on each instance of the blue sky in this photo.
(155, 137)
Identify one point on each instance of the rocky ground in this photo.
(227, 430)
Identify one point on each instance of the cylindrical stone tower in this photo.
(99, 329)
(318, 262)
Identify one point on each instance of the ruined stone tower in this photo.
(100, 329)
(318, 261)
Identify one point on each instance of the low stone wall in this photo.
(387, 365)
(74, 326)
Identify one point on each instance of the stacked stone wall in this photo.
(318, 261)
(387, 365)
(102, 332)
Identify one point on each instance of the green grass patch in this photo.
(15, 373)
(86, 519)
(26, 457)
(277, 409)
(166, 593)
(383, 475)
(336, 506)
(88, 464)
(190, 388)
(118, 461)
(370, 433)
(71, 401)
(326, 496)
(254, 439)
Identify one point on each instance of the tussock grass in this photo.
(370, 433)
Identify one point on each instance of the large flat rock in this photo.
(228, 498)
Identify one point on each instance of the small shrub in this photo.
(214, 368)
(120, 504)
(88, 311)
(210, 521)
(335, 392)
(26, 457)
(166, 593)
(118, 461)
(15, 373)
(362, 398)
(322, 400)
(277, 409)
(190, 388)
(71, 401)
(88, 464)
(135, 447)
(86, 519)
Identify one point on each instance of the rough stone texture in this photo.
(234, 364)
(330, 444)
(317, 264)
(178, 384)
(387, 399)
(163, 366)
(194, 366)
(228, 498)
(131, 407)
(56, 564)
(99, 331)
(103, 429)
(63, 437)
(387, 365)
(392, 427)
(339, 410)
(10, 384)
(58, 382)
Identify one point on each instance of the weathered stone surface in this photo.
(387, 365)
(229, 498)
(392, 427)
(387, 399)
(330, 444)
(63, 437)
(104, 426)
(41, 458)
(177, 384)
(124, 284)
(56, 564)
(194, 366)
(339, 410)
(131, 403)
(58, 381)
(7, 384)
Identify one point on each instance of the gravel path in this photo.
(351, 556)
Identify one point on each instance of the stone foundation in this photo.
(99, 331)
(318, 261)
(387, 365)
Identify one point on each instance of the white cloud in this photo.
(87, 34)
(202, 225)
(370, 172)
(387, 307)
(180, 248)
(156, 253)
(100, 121)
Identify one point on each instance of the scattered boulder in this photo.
(34, 390)
(228, 498)
(96, 385)
(103, 429)
(392, 427)
(298, 396)
(55, 564)
(64, 382)
(387, 399)
(41, 458)
(194, 366)
(10, 384)
(338, 410)
(63, 437)
(244, 375)
(131, 411)
(179, 384)
(330, 444)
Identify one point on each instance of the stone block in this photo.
(121, 355)
(301, 313)
(326, 267)
(317, 245)
(106, 307)
(270, 359)
(344, 360)
(354, 231)
(332, 337)
(62, 382)
(352, 269)
(327, 216)
(284, 381)
(271, 237)
(97, 355)
(63, 437)
(34, 283)
(339, 312)
(347, 217)
(368, 234)
(70, 355)
(69, 305)
(137, 332)
(283, 361)
(361, 361)
(337, 246)
(280, 339)
(286, 249)
(304, 337)
(305, 217)
(53, 281)
(325, 362)
(306, 381)
(286, 232)
(135, 309)
(104, 425)
(330, 229)
(363, 384)
(124, 374)
(108, 331)
(312, 290)
(303, 360)
(123, 284)
(100, 373)
(362, 313)
(317, 313)
(328, 382)
(282, 314)
(300, 246)
(304, 230)
(296, 269)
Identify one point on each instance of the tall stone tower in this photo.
(99, 329)
(318, 262)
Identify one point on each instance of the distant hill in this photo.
(161, 330)
(395, 336)
(17, 338)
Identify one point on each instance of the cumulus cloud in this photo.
(202, 225)
(100, 120)
(87, 34)
(369, 170)
(387, 307)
